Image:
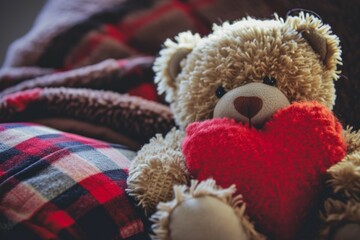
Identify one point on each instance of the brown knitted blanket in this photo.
(86, 66)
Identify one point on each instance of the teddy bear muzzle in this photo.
(253, 103)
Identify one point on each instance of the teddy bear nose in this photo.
(248, 106)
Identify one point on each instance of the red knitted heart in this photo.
(279, 170)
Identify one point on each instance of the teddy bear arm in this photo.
(158, 166)
(345, 175)
(342, 211)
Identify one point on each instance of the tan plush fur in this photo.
(160, 165)
(244, 52)
(300, 52)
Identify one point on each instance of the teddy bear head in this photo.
(249, 69)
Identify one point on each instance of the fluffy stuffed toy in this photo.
(253, 103)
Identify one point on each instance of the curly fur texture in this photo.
(152, 162)
(300, 52)
(246, 51)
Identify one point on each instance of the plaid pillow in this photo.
(56, 185)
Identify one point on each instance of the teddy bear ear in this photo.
(320, 37)
(167, 65)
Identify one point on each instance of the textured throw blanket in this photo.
(85, 67)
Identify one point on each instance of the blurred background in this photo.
(16, 18)
(87, 21)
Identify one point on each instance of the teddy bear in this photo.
(258, 74)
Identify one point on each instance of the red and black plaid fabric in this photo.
(55, 185)
(127, 29)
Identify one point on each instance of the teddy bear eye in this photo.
(220, 91)
(269, 81)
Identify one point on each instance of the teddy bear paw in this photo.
(348, 231)
(341, 219)
(203, 211)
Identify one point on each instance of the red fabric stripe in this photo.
(58, 220)
(85, 49)
(92, 42)
(39, 230)
(36, 147)
(146, 91)
(84, 140)
(102, 189)
(39, 148)
(124, 31)
(128, 28)
(2, 173)
(50, 220)
(31, 147)
(202, 3)
(20, 100)
(114, 33)
(190, 12)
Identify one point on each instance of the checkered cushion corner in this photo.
(56, 185)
